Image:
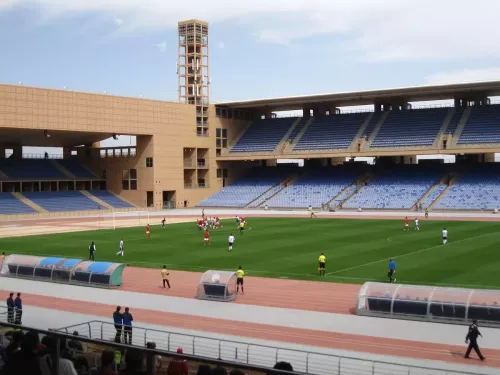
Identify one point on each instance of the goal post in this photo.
(128, 219)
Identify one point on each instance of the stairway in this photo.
(376, 129)
(97, 200)
(285, 183)
(284, 141)
(289, 147)
(444, 126)
(62, 169)
(453, 181)
(3, 176)
(28, 202)
(361, 130)
(461, 126)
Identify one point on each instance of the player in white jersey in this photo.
(230, 240)
(445, 236)
(416, 224)
(120, 251)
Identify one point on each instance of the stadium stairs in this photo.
(461, 126)
(3, 176)
(290, 145)
(357, 186)
(361, 132)
(375, 131)
(262, 199)
(444, 126)
(30, 203)
(62, 169)
(97, 200)
(284, 141)
(453, 181)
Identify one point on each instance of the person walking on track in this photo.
(471, 339)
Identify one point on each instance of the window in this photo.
(221, 138)
(133, 184)
(133, 174)
(129, 180)
(125, 185)
(219, 172)
(149, 162)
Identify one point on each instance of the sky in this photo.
(258, 48)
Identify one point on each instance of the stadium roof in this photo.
(366, 97)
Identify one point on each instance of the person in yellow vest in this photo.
(240, 274)
(322, 264)
(2, 259)
(164, 276)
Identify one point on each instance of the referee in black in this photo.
(92, 251)
(471, 339)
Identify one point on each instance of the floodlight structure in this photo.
(193, 70)
(430, 303)
(217, 286)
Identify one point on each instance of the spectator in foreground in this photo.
(25, 361)
(134, 361)
(74, 344)
(15, 344)
(66, 366)
(107, 363)
(219, 370)
(152, 345)
(283, 366)
(178, 366)
(204, 370)
(81, 365)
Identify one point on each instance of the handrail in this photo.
(276, 351)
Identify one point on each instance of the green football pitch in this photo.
(357, 250)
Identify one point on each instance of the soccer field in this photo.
(357, 250)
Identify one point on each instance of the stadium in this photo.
(361, 186)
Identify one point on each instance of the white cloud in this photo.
(221, 45)
(383, 30)
(162, 47)
(465, 75)
(118, 21)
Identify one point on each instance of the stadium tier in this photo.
(264, 135)
(400, 188)
(58, 201)
(370, 127)
(315, 189)
(478, 189)
(455, 120)
(30, 169)
(295, 131)
(410, 128)
(110, 198)
(482, 126)
(331, 132)
(246, 189)
(76, 169)
(10, 205)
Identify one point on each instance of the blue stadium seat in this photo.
(478, 189)
(246, 189)
(418, 127)
(30, 169)
(263, 135)
(76, 169)
(331, 132)
(483, 126)
(455, 120)
(315, 188)
(10, 205)
(56, 201)
(399, 188)
(433, 195)
(110, 198)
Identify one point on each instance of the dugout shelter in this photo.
(217, 286)
(429, 303)
(63, 270)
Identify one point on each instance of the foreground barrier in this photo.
(62, 270)
(429, 303)
(249, 354)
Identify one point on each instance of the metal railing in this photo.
(307, 362)
(149, 355)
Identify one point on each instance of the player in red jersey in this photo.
(148, 231)
(200, 224)
(206, 239)
(407, 225)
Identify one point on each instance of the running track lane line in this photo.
(408, 254)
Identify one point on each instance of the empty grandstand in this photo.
(482, 126)
(477, 189)
(410, 128)
(11, 205)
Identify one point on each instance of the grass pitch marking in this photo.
(409, 254)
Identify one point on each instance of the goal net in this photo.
(115, 220)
